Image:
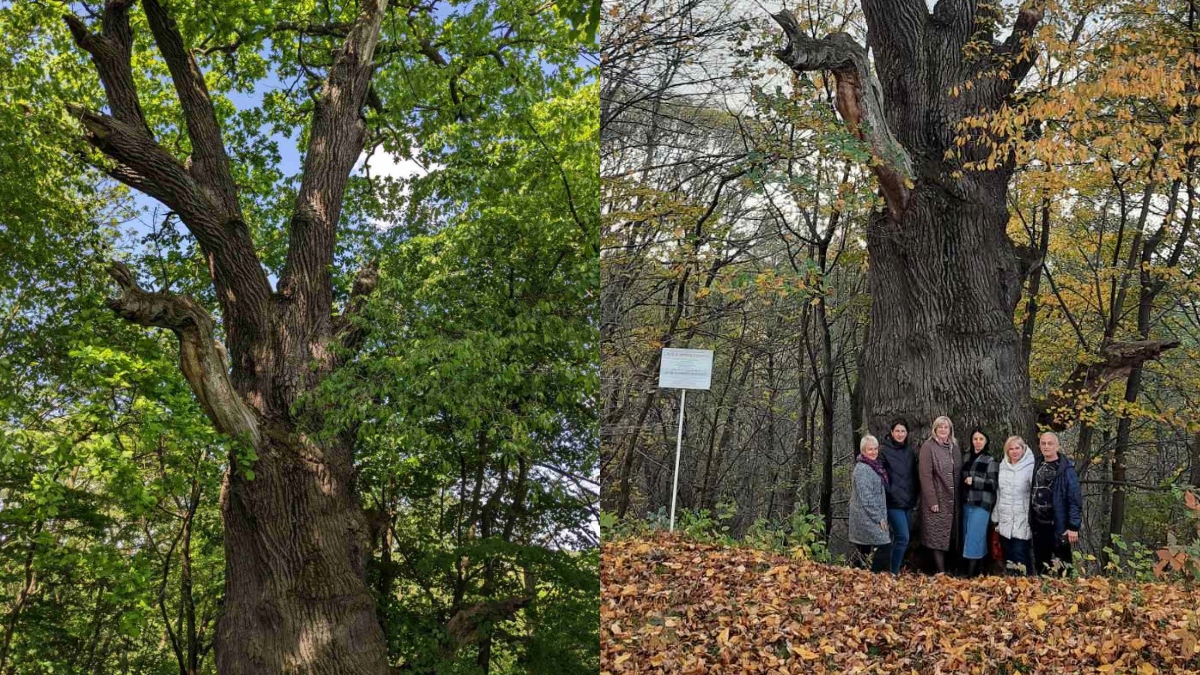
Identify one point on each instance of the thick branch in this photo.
(144, 165)
(201, 357)
(210, 163)
(338, 132)
(203, 193)
(1019, 45)
(858, 100)
(464, 626)
(1062, 408)
(111, 51)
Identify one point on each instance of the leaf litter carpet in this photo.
(672, 605)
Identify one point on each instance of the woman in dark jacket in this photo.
(981, 473)
(898, 457)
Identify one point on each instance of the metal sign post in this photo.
(683, 369)
(678, 445)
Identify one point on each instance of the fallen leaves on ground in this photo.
(676, 606)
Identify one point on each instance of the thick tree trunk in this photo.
(296, 538)
(944, 281)
(296, 541)
(944, 278)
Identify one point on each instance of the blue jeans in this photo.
(1017, 551)
(899, 522)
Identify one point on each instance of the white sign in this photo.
(685, 369)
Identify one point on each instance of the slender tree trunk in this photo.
(1035, 282)
(801, 455)
(186, 601)
(28, 588)
(1194, 461)
(856, 413)
(1116, 514)
(826, 390)
(716, 452)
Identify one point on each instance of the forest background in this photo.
(735, 209)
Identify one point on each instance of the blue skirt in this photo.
(975, 523)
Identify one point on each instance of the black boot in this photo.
(972, 568)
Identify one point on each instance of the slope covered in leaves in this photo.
(676, 606)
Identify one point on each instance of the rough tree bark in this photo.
(944, 277)
(296, 597)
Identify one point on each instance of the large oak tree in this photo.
(297, 539)
(944, 277)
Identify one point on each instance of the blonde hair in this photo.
(1020, 441)
(938, 421)
(867, 440)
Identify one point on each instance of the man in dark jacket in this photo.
(898, 458)
(1055, 506)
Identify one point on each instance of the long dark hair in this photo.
(987, 442)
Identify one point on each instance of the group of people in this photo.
(1033, 500)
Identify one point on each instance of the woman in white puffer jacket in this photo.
(1011, 514)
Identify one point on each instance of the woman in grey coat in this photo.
(868, 507)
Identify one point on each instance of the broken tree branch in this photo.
(1063, 407)
(859, 101)
(201, 357)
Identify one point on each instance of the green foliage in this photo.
(479, 363)
(1180, 558)
(801, 536)
(472, 400)
(1129, 559)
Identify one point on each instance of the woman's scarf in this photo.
(876, 466)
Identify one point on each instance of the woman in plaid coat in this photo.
(981, 475)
